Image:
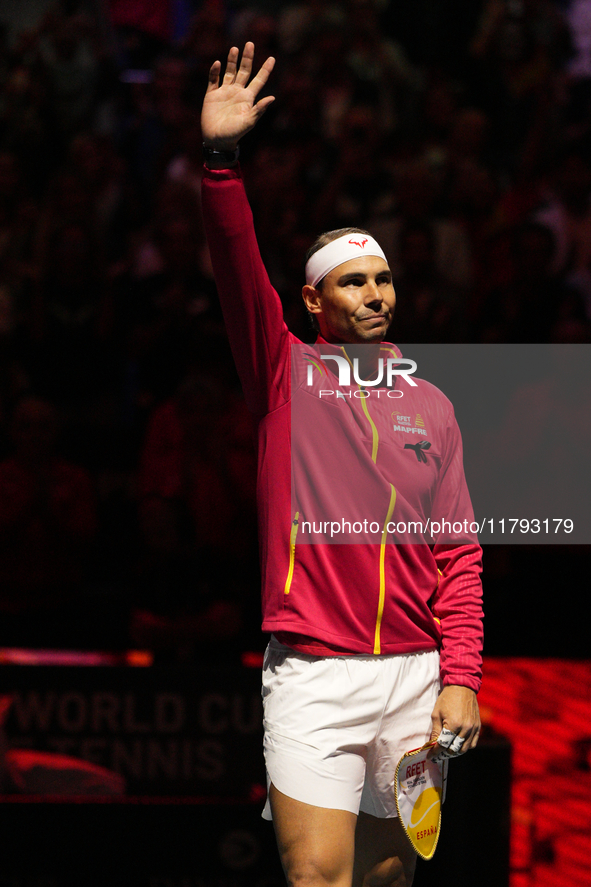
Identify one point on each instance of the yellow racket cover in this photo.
(418, 786)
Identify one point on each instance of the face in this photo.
(356, 301)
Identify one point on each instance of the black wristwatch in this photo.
(220, 159)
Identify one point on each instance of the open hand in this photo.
(230, 109)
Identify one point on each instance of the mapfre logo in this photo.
(359, 243)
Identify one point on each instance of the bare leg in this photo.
(383, 855)
(316, 844)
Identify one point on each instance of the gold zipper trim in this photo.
(374, 431)
(440, 574)
(292, 544)
(377, 647)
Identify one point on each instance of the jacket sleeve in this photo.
(457, 602)
(252, 309)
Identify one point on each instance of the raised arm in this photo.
(252, 309)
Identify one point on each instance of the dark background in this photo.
(458, 133)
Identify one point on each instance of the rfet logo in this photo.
(360, 244)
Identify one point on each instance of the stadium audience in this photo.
(467, 157)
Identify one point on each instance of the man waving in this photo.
(375, 645)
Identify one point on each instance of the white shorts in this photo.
(336, 727)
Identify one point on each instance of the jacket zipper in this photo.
(382, 590)
(374, 430)
(440, 574)
(377, 647)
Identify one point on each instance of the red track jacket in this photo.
(336, 598)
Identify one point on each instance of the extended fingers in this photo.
(231, 65)
(240, 76)
(261, 107)
(243, 75)
(214, 76)
(259, 80)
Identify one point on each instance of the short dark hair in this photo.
(322, 240)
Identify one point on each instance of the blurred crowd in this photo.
(457, 132)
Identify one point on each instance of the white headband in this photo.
(349, 246)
